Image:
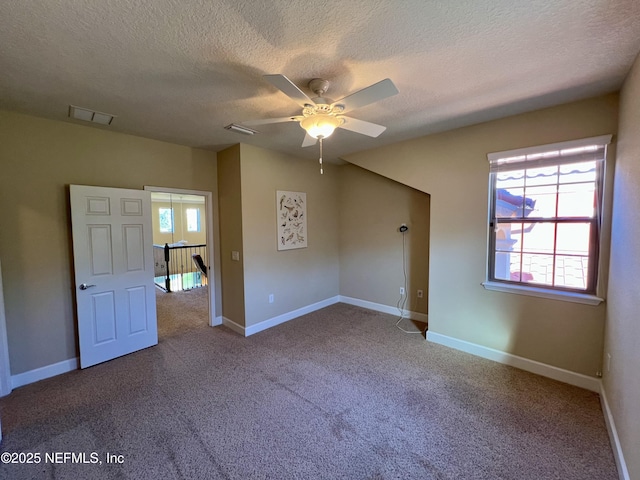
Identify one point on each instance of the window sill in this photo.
(583, 298)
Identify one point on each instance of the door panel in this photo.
(137, 309)
(98, 206)
(134, 248)
(131, 206)
(104, 317)
(100, 250)
(113, 261)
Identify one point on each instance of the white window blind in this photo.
(563, 153)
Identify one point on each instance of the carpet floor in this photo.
(336, 394)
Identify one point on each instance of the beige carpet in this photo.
(180, 312)
(336, 394)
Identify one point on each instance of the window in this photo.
(165, 216)
(193, 219)
(545, 215)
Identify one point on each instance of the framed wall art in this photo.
(291, 208)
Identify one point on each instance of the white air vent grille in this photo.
(87, 115)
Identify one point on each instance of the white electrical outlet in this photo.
(271, 298)
(608, 362)
(235, 256)
(420, 294)
(401, 290)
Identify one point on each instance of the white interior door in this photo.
(113, 258)
(5, 372)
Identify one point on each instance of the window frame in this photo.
(520, 159)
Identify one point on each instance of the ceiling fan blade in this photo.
(264, 121)
(309, 140)
(290, 89)
(378, 91)
(360, 126)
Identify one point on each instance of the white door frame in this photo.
(5, 371)
(213, 321)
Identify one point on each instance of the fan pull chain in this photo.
(321, 171)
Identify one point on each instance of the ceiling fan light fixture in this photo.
(320, 125)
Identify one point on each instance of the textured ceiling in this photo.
(180, 70)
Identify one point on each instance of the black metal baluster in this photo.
(167, 256)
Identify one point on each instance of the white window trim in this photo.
(531, 291)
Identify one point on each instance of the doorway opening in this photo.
(183, 255)
(179, 241)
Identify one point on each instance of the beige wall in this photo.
(230, 206)
(622, 338)
(353, 216)
(38, 160)
(179, 223)
(371, 208)
(452, 167)
(299, 277)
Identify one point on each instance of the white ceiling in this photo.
(180, 70)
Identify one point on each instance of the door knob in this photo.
(84, 286)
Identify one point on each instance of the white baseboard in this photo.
(41, 373)
(236, 327)
(285, 317)
(378, 307)
(560, 374)
(623, 473)
(217, 321)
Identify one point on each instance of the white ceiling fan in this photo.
(321, 116)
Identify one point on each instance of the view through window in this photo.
(193, 219)
(165, 217)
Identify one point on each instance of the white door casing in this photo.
(113, 263)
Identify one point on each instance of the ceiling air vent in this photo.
(87, 115)
(241, 129)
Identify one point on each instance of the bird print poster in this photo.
(292, 219)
